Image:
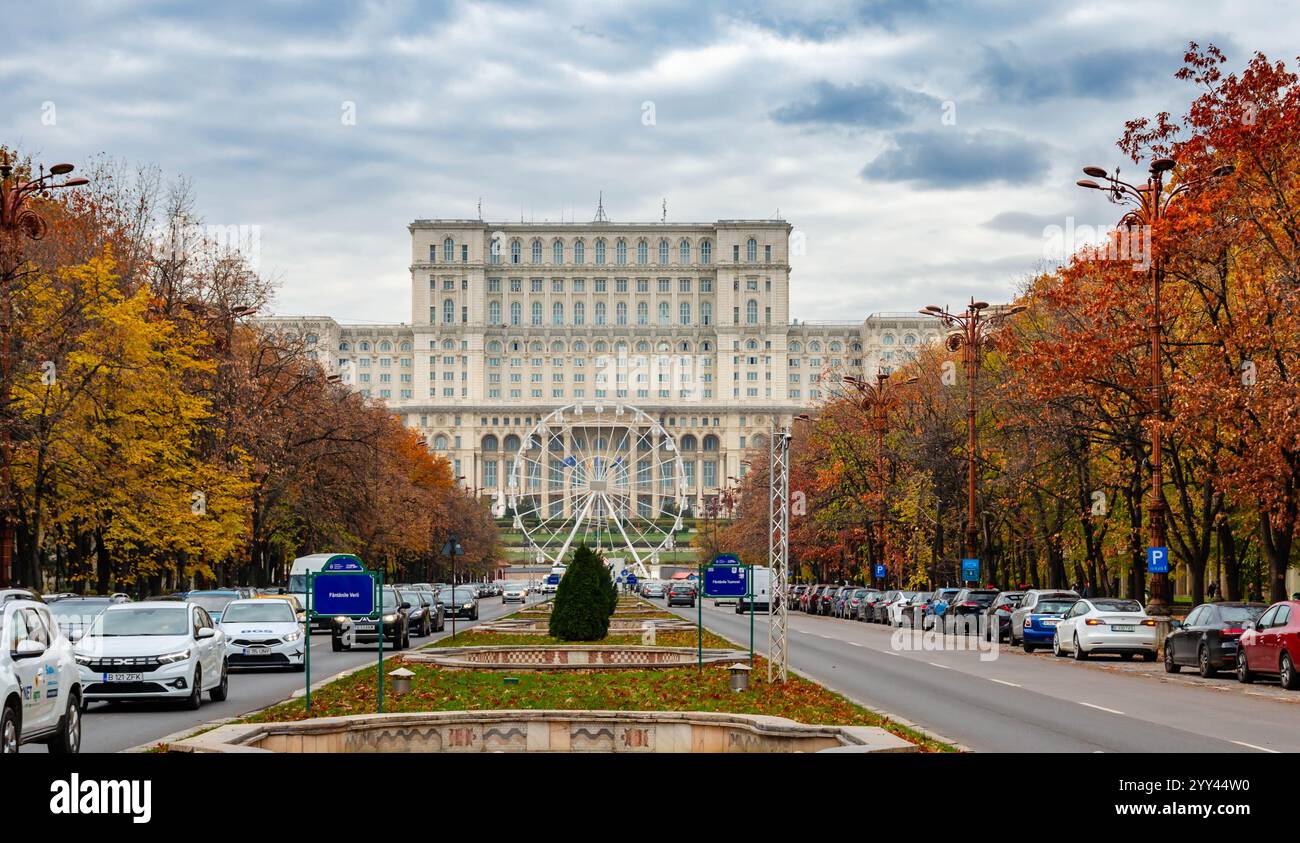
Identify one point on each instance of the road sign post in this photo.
(970, 571)
(727, 576)
(345, 588)
(1157, 560)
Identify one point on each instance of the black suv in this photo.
(395, 619)
(966, 611)
(423, 614)
(682, 594)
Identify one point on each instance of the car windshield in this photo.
(462, 595)
(413, 598)
(141, 620)
(75, 608)
(263, 611)
(1118, 605)
(1231, 614)
(390, 599)
(1053, 607)
(211, 602)
(984, 598)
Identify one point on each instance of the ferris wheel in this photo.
(605, 475)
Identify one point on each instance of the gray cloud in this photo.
(871, 105)
(952, 159)
(1009, 75)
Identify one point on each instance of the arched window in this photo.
(448, 345)
(579, 346)
(406, 346)
(751, 312)
(684, 252)
(440, 442)
(557, 347)
(494, 346)
(557, 252)
(494, 313)
(909, 340)
(516, 250)
(385, 346)
(364, 346)
(600, 313)
(343, 346)
(796, 346)
(537, 313)
(579, 313)
(490, 443)
(516, 313)
(510, 444)
(600, 252)
(816, 346)
(688, 442)
(537, 251)
(751, 250)
(887, 339)
(579, 252)
(710, 442)
(448, 311)
(557, 313)
(752, 345)
(642, 313)
(642, 252)
(684, 313)
(448, 250)
(663, 313)
(663, 251)
(759, 442)
(684, 346)
(620, 252)
(706, 251)
(620, 313)
(706, 313)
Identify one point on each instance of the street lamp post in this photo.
(18, 222)
(971, 333)
(1149, 203)
(877, 398)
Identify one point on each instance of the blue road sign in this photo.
(344, 563)
(880, 572)
(631, 579)
(1157, 560)
(343, 594)
(553, 579)
(725, 581)
(970, 570)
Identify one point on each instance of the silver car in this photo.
(1027, 604)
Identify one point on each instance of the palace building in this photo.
(688, 322)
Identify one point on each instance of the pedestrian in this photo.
(1212, 590)
(1086, 591)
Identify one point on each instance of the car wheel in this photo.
(1079, 654)
(1028, 648)
(1171, 666)
(1244, 674)
(1128, 657)
(222, 690)
(1203, 665)
(10, 734)
(195, 700)
(68, 740)
(1286, 673)
(336, 643)
(1149, 657)
(1056, 647)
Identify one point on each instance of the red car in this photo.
(1272, 646)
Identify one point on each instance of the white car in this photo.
(514, 593)
(894, 608)
(38, 680)
(1105, 625)
(153, 650)
(263, 633)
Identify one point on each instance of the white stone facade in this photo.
(689, 322)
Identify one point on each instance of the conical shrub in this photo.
(582, 602)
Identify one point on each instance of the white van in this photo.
(761, 588)
(311, 564)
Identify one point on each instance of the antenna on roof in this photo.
(480, 209)
(664, 217)
(601, 216)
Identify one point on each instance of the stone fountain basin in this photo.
(545, 731)
(596, 656)
(617, 625)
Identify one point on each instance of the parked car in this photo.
(894, 609)
(937, 608)
(1038, 629)
(826, 599)
(423, 611)
(437, 611)
(879, 609)
(853, 603)
(214, 601)
(966, 609)
(911, 612)
(153, 650)
(21, 593)
(263, 633)
(1272, 646)
(866, 607)
(997, 617)
(681, 594)
(75, 614)
(796, 596)
(1208, 637)
(40, 683)
(806, 597)
(460, 602)
(394, 622)
(1027, 604)
(1106, 625)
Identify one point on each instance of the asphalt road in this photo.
(1020, 703)
(108, 728)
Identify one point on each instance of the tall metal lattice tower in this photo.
(778, 556)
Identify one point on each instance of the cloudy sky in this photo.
(920, 147)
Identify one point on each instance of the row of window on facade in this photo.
(532, 481)
(795, 346)
(600, 314)
(578, 251)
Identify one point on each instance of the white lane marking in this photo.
(936, 664)
(854, 644)
(891, 653)
(1252, 746)
(1100, 707)
(1003, 682)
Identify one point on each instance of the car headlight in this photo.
(468, 606)
(80, 659)
(293, 636)
(171, 658)
(389, 618)
(340, 619)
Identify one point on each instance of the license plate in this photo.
(1123, 627)
(1050, 621)
(365, 627)
(123, 677)
(257, 651)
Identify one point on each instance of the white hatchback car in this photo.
(263, 633)
(153, 650)
(1105, 625)
(38, 680)
(514, 593)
